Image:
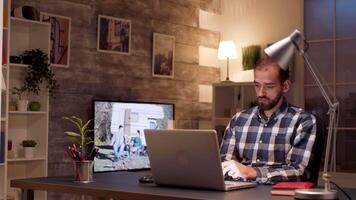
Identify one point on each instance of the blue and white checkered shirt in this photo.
(278, 149)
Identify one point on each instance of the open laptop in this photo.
(187, 158)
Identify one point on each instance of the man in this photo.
(117, 141)
(271, 142)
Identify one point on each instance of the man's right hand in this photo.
(236, 170)
(230, 167)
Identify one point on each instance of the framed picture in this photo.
(163, 55)
(114, 35)
(59, 39)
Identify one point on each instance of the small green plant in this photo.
(19, 91)
(250, 55)
(83, 138)
(29, 143)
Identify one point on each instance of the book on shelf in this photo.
(288, 188)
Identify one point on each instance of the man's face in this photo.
(268, 87)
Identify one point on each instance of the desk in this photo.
(124, 186)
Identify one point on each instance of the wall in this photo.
(94, 75)
(249, 22)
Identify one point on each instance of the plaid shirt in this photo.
(278, 149)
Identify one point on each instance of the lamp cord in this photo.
(343, 191)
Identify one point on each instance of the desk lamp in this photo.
(282, 52)
(227, 50)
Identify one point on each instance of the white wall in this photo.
(248, 22)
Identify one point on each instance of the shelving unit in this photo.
(4, 44)
(19, 36)
(228, 99)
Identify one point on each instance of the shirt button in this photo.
(258, 160)
(265, 125)
(260, 141)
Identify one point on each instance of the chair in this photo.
(311, 172)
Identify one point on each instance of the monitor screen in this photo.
(119, 132)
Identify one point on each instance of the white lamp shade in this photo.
(226, 50)
(282, 51)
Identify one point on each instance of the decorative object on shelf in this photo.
(34, 106)
(4, 56)
(21, 104)
(250, 55)
(226, 51)
(10, 152)
(29, 148)
(163, 55)
(26, 12)
(83, 150)
(39, 71)
(283, 52)
(15, 59)
(114, 35)
(60, 38)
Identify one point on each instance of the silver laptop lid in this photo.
(188, 158)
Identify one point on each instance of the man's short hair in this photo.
(283, 75)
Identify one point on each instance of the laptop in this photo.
(188, 158)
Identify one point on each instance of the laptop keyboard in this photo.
(227, 183)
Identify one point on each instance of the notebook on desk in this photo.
(187, 158)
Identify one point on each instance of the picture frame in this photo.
(114, 35)
(163, 55)
(59, 38)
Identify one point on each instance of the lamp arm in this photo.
(333, 106)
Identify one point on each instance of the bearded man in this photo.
(271, 142)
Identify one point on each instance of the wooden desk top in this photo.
(125, 185)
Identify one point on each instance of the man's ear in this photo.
(286, 86)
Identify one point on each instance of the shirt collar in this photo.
(282, 109)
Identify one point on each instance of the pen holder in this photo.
(83, 171)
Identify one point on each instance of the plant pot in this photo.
(22, 105)
(29, 152)
(83, 171)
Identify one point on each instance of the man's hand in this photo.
(236, 169)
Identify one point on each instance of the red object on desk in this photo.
(288, 188)
(293, 185)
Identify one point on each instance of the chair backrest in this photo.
(311, 172)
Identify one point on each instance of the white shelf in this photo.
(4, 66)
(22, 35)
(13, 160)
(27, 112)
(18, 65)
(222, 120)
(26, 22)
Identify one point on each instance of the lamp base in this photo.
(315, 193)
(227, 81)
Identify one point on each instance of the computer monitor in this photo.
(119, 132)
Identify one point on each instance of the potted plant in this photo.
(250, 55)
(29, 148)
(38, 71)
(22, 103)
(82, 151)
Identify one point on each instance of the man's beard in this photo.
(270, 104)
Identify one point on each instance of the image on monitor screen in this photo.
(119, 132)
